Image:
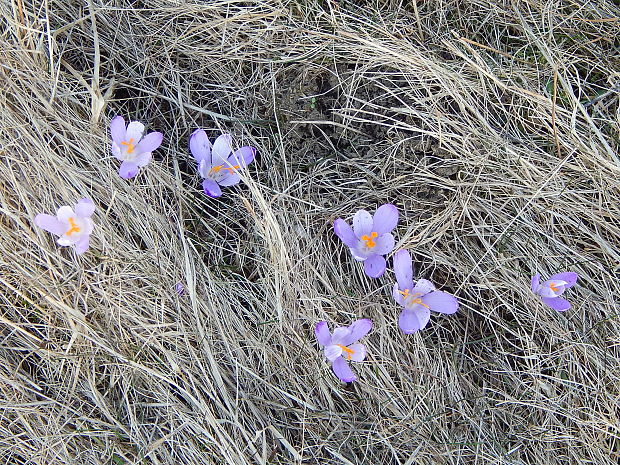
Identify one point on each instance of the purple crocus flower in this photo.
(417, 300)
(218, 164)
(130, 147)
(370, 237)
(342, 345)
(550, 290)
(72, 225)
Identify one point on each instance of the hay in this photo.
(493, 126)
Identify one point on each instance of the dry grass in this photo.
(471, 116)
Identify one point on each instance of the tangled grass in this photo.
(495, 128)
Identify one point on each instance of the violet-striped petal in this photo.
(84, 207)
(332, 352)
(403, 269)
(557, 303)
(385, 219)
(359, 352)
(150, 142)
(200, 147)
(357, 330)
(569, 277)
(117, 130)
(345, 233)
(128, 170)
(535, 282)
(50, 224)
(362, 223)
(374, 266)
(343, 371)
(211, 188)
(441, 302)
(321, 330)
(341, 335)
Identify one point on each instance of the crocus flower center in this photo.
(413, 298)
(130, 145)
(370, 240)
(553, 287)
(74, 227)
(218, 168)
(349, 352)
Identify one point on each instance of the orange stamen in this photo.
(553, 288)
(74, 227)
(347, 351)
(129, 145)
(217, 168)
(369, 239)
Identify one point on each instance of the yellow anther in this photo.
(74, 227)
(129, 145)
(553, 288)
(369, 239)
(217, 168)
(419, 301)
(405, 293)
(347, 351)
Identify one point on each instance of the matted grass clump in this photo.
(492, 126)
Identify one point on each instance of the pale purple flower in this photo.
(218, 164)
(72, 225)
(342, 346)
(179, 288)
(550, 290)
(130, 147)
(417, 299)
(370, 237)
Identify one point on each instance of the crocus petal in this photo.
(385, 219)
(423, 287)
(221, 149)
(398, 297)
(357, 330)
(117, 129)
(50, 224)
(242, 157)
(408, 322)
(134, 131)
(535, 282)
(557, 303)
(229, 179)
(150, 142)
(128, 170)
(359, 352)
(569, 277)
(345, 233)
(343, 371)
(142, 159)
(441, 302)
(374, 266)
(321, 330)
(332, 352)
(211, 188)
(64, 213)
(199, 146)
(384, 244)
(403, 269)
(81, 246)
(84, 208)
(362, 223)
(340, 335)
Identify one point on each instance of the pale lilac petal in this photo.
(128, 170)
(340, 335)
(398, 297)
(221, 149)
(84, 208)
(179, 288)
(229, 179)
(321, 330)
(569, 277)
(211, 188)
(116, 151)
(423, 315)
(64, 213)
(357, 330)
(408, 322)
(362, 223)
(557, 303)
(81, 246)
(242, 157)
(359, 352)
(441, 302)
(134, 131)
(117, 130)
(142, 159)
(374, 266)
(332, 352)
(384, 244)
(403, 269)
(50, 224)
(150, 142)
(423, 287)
(345, 233)
(343, 371)
(535, 282)
(200, 147)
(385, 219)
(545, 288)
